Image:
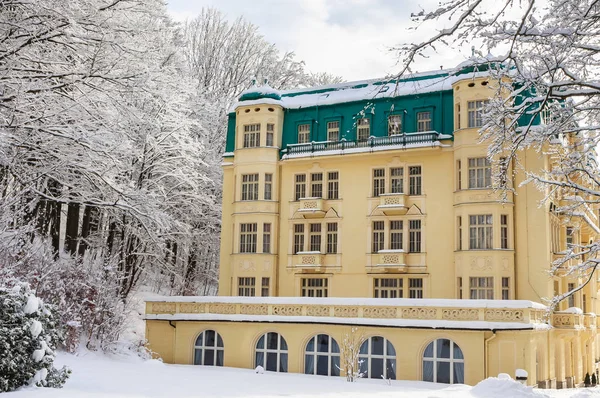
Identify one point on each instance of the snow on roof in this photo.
(371, 89)
(407, 323)
(399, 302)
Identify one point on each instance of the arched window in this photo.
(322, 356)
(443, 362)
(271, 352)
(378, 358)
(208, 349)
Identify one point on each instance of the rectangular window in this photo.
(249, 186)
(315, 237)
(314, 287)
(423, 121)
(394, 125)
(415, 288)
(378, 182)
(248, 234)
(505, 288)
(480, 173)
(303, 133)
(397, 185)
(414, 180)
(387, 287)
(316, 185)
(503, 231)
(475, 113)
(270, 134)
(266, 238)
(571, 298)
(363, 129)
(378, 236)
(251, 135)
(459, 232)
(265, 287)
(268, 186)
(396, 235)
(457, 116)
(480, 232)
(333, 185)
(298, 238)
(459, 293)
(481, 288)
(300, 186)
(414, 236)
(332, 237)
(459, 175)
(333, 131)
(570, 236)
(246, 287)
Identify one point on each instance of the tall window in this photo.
(332, 237)
(315, 237)
(394, 125)
(443, 362)
(333, 185)
(298, 238)
(414, 236)
(414, 180)
(322, 356)
(268, 186)
(300, 186)
(208, 349)
(397, 185)
(378, 182)
(303, 133)
(481, 288)
(272, 352)
(333, 131)
(363, 129)
(249, 186)
(505, 288)
(378, 236)
(248, 234)
(475, 112)
(270, 134)
(570, 236)
(314, 287)
(480, 232)
(503, 231)
(459, 233)
(247, 287)
(396, 235)
(457, 116)
(423, 121)
(459, 175)
(378, 358)
(266, 238)
(459, 293)
(265, 287)
(571, 298)
(415, 288)
(251, 135)
(387, 287)
(480, 173)
(316, 185)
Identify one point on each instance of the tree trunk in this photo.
(72, 229)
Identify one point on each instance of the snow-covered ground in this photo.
(96, 376)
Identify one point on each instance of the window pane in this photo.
(272, 341)
(322, 343)
(377, 345)
(443, 348)
(429, 351)
(271, 362)
(322, 365)
(220, 354)
(200, 339)
(390, 369)
(428, 370)
(283, 344)
(459, 373)
(309, 365)
(260, 359)
(198, 357)
(376, 368)
(457, 352)
(390, 349)
(310, 347)
(335, 366)
(283, 359)
(443, 372)
(209, 357)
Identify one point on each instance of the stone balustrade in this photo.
(567, 320)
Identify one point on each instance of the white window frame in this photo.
(265, 351)
(304, 133)
(330, 354)
(481, 232)
(475, 113)
(270, 138)
(333, 131)
(424, 123)
(450, 360)
(363, 129)
(482, 289)
(251, 137)
(367, 358)
(394, 125)
(323, 290)
(480, 173)
(383, 287)
(216, 348)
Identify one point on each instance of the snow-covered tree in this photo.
(28, 338)
(547, 99)
(349, 352)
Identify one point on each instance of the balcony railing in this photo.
(400, 140)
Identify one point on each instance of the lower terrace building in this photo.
(366, 211)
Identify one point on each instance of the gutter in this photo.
(486, 348)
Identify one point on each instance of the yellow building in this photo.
(365, 211)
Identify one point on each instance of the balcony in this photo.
(392, 204)
(389, 261)
(308, 260)
(567, 320)
(411, 140)
(312, 207)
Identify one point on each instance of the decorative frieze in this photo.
(460, 314)
(380, 312)
(419, 313)
(504, 315)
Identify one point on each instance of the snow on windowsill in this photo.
(572, 310)
(409, 323)
(391, 251)
(309, 252)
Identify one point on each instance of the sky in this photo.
(348, 38)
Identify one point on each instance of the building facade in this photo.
(366, 210)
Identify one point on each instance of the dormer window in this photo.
(304, 133)
(394, 125)
(423, 121)
(333, 131)
(363, 129)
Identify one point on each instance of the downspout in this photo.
(172, 325)
(486, 354)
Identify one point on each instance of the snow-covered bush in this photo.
(349, 351)
(28, 338)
